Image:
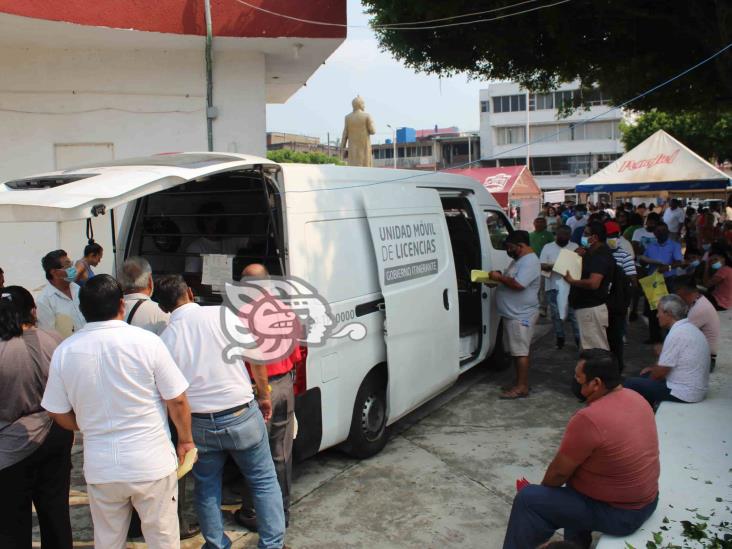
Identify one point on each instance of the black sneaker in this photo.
(560, 343)
(247, 519)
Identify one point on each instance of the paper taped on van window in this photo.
(217, 269)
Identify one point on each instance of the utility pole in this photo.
(210, 109)
(328, 146)
(528, 131)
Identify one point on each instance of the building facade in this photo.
(562, 149)
(91, 81)
(428, 149)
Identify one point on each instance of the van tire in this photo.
(498, 359)
(368, 423)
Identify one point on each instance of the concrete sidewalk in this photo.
(447, 476)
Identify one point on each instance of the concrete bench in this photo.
(696, 466)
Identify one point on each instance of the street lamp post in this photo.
(393, 143)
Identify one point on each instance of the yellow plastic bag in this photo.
(654, 288)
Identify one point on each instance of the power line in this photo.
(404, 26)
(524, 145)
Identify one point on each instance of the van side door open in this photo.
(416, 274)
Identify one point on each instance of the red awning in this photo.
(504, 182)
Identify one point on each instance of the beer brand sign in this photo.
(649, 162)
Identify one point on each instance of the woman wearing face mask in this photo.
(35, 453)
(58, 304)
(718, 280)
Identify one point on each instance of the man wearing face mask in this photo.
(549, 255)
(517, 303)
(604, 476)
(663, 256)
(58, 304)
(718, 280)
(588, 295)
(579, 219)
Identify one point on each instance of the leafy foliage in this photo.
(708, 135)
(297, 157)
(624, 46)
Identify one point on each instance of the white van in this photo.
(391, 249)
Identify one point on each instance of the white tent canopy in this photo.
(660, 163)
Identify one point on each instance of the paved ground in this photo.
(447, 476)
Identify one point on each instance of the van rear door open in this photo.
(416, 274)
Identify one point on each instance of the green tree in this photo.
(298, 157)
(708, 135)
(623, 46)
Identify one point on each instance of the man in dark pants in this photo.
(663, 255)
(281, 427)
(619, 295)
(611, 472)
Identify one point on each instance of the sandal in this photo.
(512, 394)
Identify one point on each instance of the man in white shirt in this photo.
(113, 382)
(703, 315)
(57, 307)
(137, 284)
(682, 372)
(579, 219)
(227, 419)
(674, 217)
(549, 255)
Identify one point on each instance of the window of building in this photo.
(509, 103)
(544, 101)
(484, 106)
(546, 133)
(564, 99)
(595, 97)
(400, 152)
(604, 160)
(510, 135)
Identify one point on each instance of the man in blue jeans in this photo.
(604, 476)
(227, 419)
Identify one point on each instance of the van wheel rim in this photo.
(372, 418)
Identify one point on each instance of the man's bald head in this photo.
(255, 270)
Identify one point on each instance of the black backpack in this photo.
(620, 291)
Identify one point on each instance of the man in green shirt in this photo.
(540, 237)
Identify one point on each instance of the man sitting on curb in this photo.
(610, 471)
(702, 314)
(682, 372)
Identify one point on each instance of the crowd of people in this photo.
(144, 382)
(604, 476)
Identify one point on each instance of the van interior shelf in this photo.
(238, 191)
(198, 235)
(235, 214)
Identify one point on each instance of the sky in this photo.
(394, 94)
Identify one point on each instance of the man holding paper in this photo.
(549, 254)
(588, 295)
(517, 303)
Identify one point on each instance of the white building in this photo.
(84, 82)
(88, 81)
(563, 150)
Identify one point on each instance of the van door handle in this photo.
(445, 300)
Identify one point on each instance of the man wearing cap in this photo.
(518, 307)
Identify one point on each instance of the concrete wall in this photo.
(170, 83)
(140, 101)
